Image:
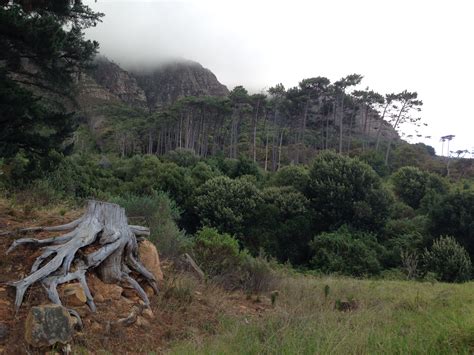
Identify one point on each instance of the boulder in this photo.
(47, 325)
(150, 259)
(74, 294)
(102, 290)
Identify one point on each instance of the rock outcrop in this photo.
(118, 82)
(107, 83)
(170, 82)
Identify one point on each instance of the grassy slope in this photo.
(392, 317)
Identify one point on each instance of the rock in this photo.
(3, 332)
(99, 298)
(106, 291)
(150, 259)
(142, 322)
(148, 290)
(169, 82)
(47, 325)
(148, 313)
(74, 294)
(119, 82)
(130, 293)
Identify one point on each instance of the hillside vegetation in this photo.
(315, 228)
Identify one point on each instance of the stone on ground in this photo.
(74, 294)
(47, 325)
(106, 291)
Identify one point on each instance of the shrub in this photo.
(182, 157)
(376, 161)
(217, 254)
(400, 210)
(226, 204)
(454, 215)
(346, 252)
(346, 191)
(409, 184)
(414, 186)
(259, 275)
(202, 172)
(283, 227)
(448, 260)
(296, 176)
(158, 213)
(220, 258)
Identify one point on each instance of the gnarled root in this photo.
(104, 224)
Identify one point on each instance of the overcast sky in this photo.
(419, 45)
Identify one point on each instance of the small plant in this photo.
(179, 289)
(326, 292)
(273, 296)
(410, 264)
(346, 306)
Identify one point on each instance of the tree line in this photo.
(281, 125)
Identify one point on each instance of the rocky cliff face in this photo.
(150, 89)
(166, 84)
(119, 83)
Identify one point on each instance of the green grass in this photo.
(393, 317)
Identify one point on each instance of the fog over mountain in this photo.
(421, 46)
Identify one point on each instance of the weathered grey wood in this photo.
(104, 224)
(195, 266)
(62, 227)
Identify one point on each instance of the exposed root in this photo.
(104, 224)
(62, 227)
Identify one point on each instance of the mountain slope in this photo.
(166, 84)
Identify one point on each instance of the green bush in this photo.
(216, 253)
(226, 204)
(296, 176)
(182, 157)
(400, 210)
(448, 260)
(415, 187)
(202, 172)
(346, 191)
(376, 161)
(409, 184)
(259, 275)
(283, 229)
(454, 215)
(159, 213)
(346, 252)
(223, 262)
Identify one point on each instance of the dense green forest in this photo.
(315, 176)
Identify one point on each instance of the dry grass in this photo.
(390, 317)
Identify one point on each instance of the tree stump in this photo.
(103, 225)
